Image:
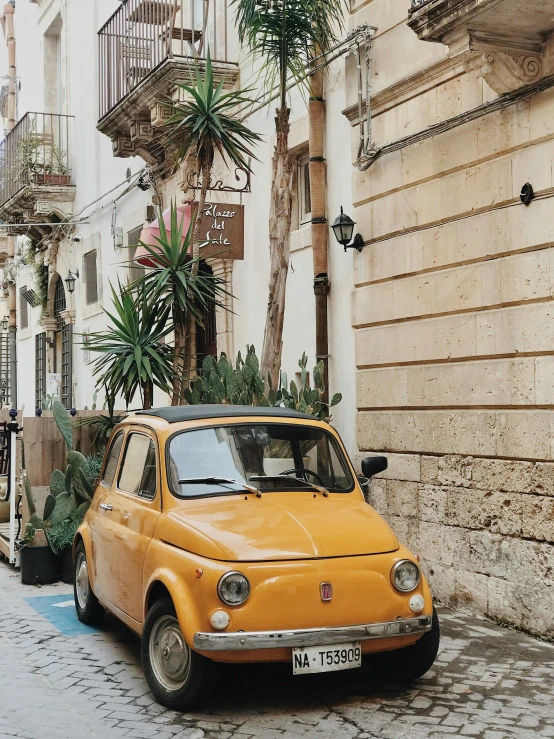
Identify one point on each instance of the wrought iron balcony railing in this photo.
(35, 153)
(142, 34)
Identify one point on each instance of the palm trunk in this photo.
(320, 230)
(279, 248)
(190, 338)
(179, 330)
(147, 393)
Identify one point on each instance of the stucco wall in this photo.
(452, 310)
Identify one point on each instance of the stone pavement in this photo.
(489, 683)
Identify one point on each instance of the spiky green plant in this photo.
(133, 356)
(175, 284)
(201, 125)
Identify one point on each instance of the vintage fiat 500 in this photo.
(240, 534)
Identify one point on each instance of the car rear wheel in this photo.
(177, 676)
(409, 663)
(89, 610)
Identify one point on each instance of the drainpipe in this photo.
(320, 231)
(12, 97)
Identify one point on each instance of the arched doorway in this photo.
(63, 345)
(206, 335)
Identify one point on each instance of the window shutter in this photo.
(23, 308)
(91, 277)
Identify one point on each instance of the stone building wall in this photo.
(453, 316)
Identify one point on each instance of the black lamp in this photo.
(343, 226)
(70, 280)
(4, 323)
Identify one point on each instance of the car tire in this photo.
(88, 608)
(177, 676)
(410, 663)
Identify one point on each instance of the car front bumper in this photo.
(241, 640)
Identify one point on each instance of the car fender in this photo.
(187, 603)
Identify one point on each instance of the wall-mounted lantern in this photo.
(70, 281)
(4, 323)
(343, 227)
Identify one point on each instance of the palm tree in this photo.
(286, 36)
(200, 126)
(175, 283)
(133, 353)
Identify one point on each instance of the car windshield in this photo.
(271, 457)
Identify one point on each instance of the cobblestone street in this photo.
(489, 682)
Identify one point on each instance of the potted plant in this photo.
(40, 162)
(48, 539)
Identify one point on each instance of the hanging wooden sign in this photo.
(222, 226)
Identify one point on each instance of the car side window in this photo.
(111, 464)
(138, 471)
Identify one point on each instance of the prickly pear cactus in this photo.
(244, 385)
(57, 483)
(63, 422)
(65, 508)
(49, 506)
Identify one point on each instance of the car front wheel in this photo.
(409, 663)
(89, 610)
(177, 676)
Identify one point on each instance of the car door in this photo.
(135, 509)
(103, 567)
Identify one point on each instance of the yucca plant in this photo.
(176, 285)
(285, 36)
(201, 125)
(134, 356)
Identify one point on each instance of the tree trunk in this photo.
(147, 393)
(279, 248)
(179, 330)
(190, 337)
(320, 228)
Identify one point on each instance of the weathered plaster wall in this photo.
(452, 310)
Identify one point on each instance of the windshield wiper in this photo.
(319, 488)
(219, 481)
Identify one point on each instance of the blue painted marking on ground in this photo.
(60, 611)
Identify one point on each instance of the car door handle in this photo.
(106, 507)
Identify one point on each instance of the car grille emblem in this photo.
(326, 590)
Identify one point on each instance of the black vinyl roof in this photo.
(178, 413)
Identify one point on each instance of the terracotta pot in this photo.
(52, 179)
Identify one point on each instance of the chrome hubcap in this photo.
(169, 653)
(81, 581)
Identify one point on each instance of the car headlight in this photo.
(233, 588)
(405, 576)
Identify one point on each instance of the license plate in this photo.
(306, 660)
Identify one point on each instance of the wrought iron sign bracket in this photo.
(218, 185)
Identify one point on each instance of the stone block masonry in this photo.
(484, 529)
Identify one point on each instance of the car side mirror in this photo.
(374, 465)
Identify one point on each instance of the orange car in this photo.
(241, 534)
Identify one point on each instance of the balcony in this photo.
(145, 48)
(502, 40)
(35, 172)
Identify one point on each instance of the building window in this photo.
(304, 195)
(23, 309)
(91, 277)
(40, 369)
(63, 345)
(134, 271)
